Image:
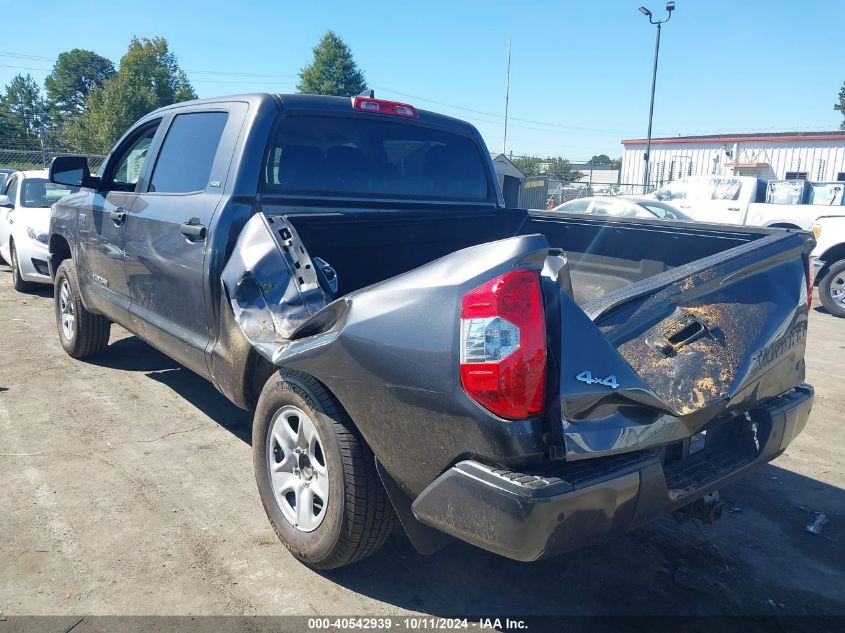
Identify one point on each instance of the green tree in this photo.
(23, 112)
(561, 169)
(333, 70)
(148, 78)
(74, 75)
(841, 105)
(528, 165)
(556, 167)
(601, 159)
(616, 163)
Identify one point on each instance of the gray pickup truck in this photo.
(528, 382)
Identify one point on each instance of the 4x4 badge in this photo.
(587, 377)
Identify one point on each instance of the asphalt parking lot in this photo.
(128, 489)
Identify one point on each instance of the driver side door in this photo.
(102, 225)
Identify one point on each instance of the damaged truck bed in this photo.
(529, 382)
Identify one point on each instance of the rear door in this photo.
(102, 224)
(167, 230)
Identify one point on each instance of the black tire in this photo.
(836, 308)
(90, 334)
(17, 281)
(358, 520)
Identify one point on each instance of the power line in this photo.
(222, 73)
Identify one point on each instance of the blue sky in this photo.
(580, 75)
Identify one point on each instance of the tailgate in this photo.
(659, 360)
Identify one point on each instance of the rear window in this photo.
(357, 157)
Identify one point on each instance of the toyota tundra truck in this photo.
(527, 382)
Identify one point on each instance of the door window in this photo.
(130, 159)
(187, 155)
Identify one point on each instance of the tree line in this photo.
(559, 168)
(87, 104)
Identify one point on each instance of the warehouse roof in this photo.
(730, 137)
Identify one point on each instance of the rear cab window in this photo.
(351, 156)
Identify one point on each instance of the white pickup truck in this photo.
(742, 200)
(829, 262)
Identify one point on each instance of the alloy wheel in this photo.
(297, 465)
(66, 310)
(837, 288)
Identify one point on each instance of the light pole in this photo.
(670, 7)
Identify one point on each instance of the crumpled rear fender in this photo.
(271, 283)
(388, 352)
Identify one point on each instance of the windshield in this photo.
(40, 192)
(357, 157)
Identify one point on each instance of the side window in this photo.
(608, 207)
(130, 160)
(576, 206)
(12, 190)
(187, 154)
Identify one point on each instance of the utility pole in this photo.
(670, 7)
(507, 97)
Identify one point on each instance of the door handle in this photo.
(733, 208)
(118, 216)
(193, 230)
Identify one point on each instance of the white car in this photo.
(25, 223)
(829, 262)
(623, 207)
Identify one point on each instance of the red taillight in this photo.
(380, 106)
(503, 345)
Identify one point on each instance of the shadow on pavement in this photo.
(132, 354)
(758, 560)
(758, 553)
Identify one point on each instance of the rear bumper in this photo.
(526, 516)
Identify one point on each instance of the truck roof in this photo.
(302, 103)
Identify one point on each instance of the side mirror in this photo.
(72, 171)
(6, 203)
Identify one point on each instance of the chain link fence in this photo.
(560, 191)
(22, 159)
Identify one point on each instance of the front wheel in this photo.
(316, 476)
(81, 333)
(17, 279)
(832, 289)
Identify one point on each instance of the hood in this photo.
(37, 218)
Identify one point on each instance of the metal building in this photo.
(816, 156)
(510, 178)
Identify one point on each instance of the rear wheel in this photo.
(832, 289)
(316, 476)
(81, 333)
(17, 280)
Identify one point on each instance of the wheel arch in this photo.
(59, 249)
(831, 256)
